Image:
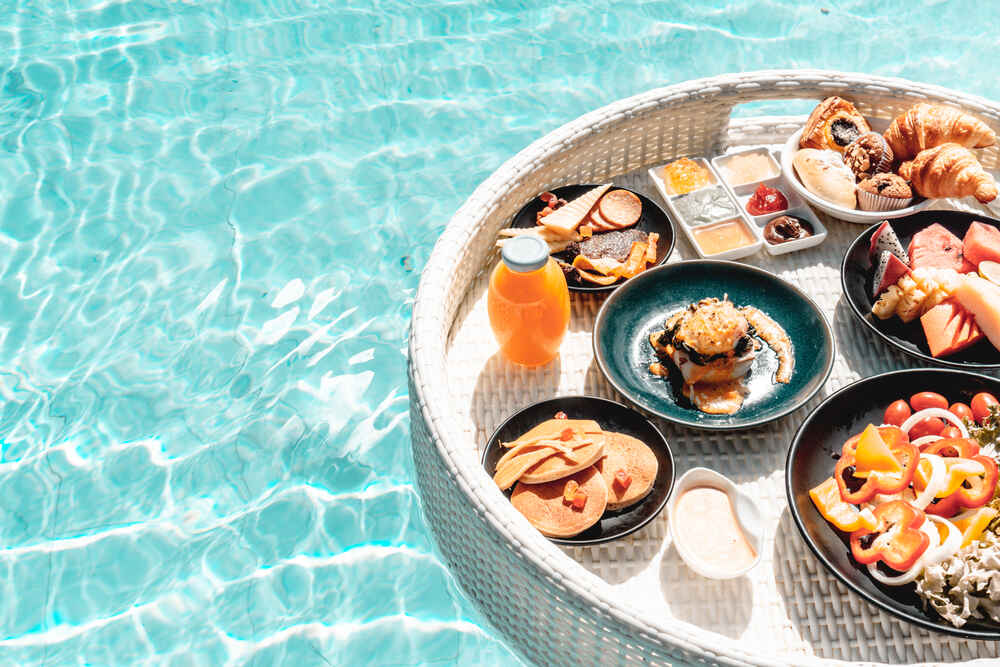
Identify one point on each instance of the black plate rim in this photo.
(784, 412)
(666, 447)
(942, 627)
(862, 316)
(645, 199)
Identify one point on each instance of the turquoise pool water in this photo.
(214, 219)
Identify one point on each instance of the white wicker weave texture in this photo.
(634, 600)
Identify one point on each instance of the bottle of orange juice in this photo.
(528, 302)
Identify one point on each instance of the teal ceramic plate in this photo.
(641, 306)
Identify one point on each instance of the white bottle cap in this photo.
(525, 253)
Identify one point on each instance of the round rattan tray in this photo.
(633, 600)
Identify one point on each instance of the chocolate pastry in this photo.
(832, 125)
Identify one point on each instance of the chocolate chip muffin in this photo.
(868, 155)
(884, 192)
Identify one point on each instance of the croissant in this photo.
(949, 170)
(925, 126)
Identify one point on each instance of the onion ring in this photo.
(920, 415)
(906, 577)
(934, 484)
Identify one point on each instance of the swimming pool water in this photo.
(214, 219)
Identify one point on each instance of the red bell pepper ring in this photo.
(977, 490)
(981, 487)
(946, 507)
(964, 448)
(897, 541)
(857, 490)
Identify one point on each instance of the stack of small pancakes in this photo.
(569, 472)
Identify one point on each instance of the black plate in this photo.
(856, 275)
(810, 461)
(653, 219)
(611, 416)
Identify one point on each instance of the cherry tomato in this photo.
(961, 410)
(928, 399)
(981, 403)
(928, 426)
(897, 413)
(950, 432)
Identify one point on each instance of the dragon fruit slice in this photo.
(888, 270)
(885, 239)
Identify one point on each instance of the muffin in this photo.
(884, 192)
(868, 155)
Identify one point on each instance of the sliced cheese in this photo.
(566, 219)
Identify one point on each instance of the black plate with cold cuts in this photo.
(611, 416)
(653, 219)
(857, 273)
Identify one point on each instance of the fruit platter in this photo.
(928, 285)
(717, 553)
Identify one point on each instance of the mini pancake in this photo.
(544, 507)
(558, 466)
(620, 208)
(623, 452)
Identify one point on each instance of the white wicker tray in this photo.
(634, 601)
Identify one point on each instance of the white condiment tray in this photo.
(747, 512)
(688, 229)
(796, 207)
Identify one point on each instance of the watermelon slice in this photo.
(934, 247)
(949, 328)
(982, 243)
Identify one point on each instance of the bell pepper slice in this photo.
(858, 489)
(969, 491)
(846, 517)
(944, 507)
(978, 490)
(897, 541)
(958, 471)
(873, 454)
(972, 528)
(963, 448)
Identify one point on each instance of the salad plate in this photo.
(611, 416)
(812, 458)
(640, 307)
(856, 275)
